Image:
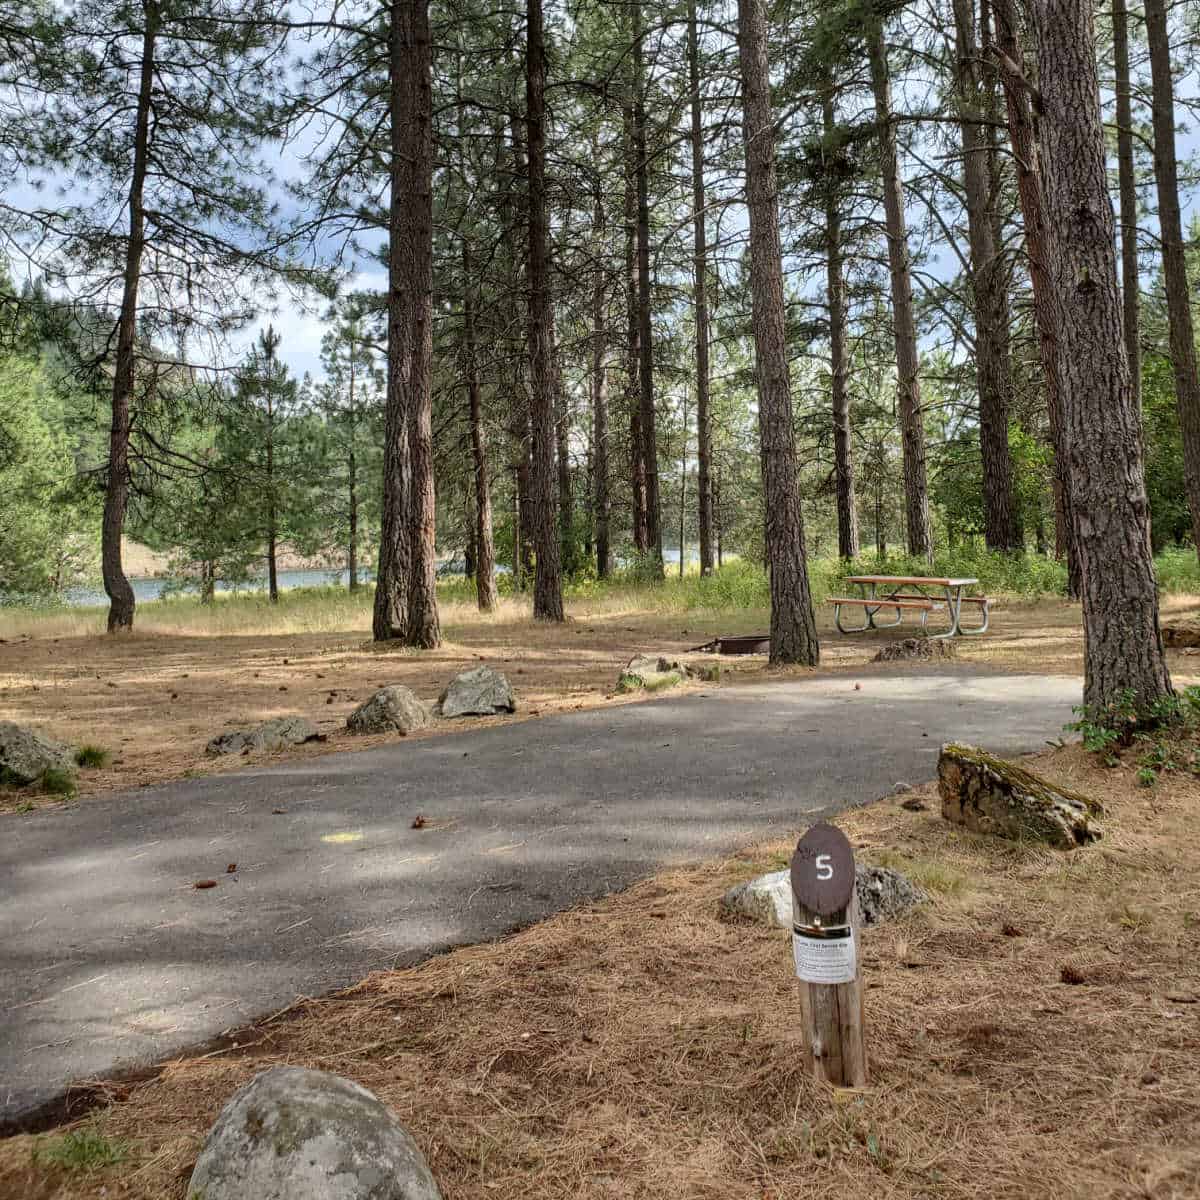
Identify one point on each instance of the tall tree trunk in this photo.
(272, 491)
(987, 285)
(116, 494)
(547, 580)
(633, 346)
(1122, 644)
(1030, 190)
(1127, 189)
(352, 550)
(352, 478)
(645, 329)
(600, 503)
(904, 329)
(793, 628)
(562, 457)
(700, 303)
(408, 310)
(683, 455)
(485, 548)
(843, 453)
(1179, 311)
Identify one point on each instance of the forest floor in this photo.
(153, 699)
(1035, 1028)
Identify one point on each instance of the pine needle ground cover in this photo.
(1035, 1029)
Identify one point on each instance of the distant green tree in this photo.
(47, 519)
(269, 454)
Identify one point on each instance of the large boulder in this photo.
(276, 734)
(652, 673)
(916, 649)
(989, 795)
(479, 692)
(391, 709)
(25, 755)
(767, 900)
(296, 1134)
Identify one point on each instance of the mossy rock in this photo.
(651, 673)
(991, 795)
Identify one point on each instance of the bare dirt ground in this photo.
(1034, 1030)
(154, 699)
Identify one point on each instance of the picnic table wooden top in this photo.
(913, 580)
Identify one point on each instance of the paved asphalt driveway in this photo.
(109, 959)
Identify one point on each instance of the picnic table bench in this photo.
(911, 593)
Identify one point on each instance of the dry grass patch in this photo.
(1029, 1031)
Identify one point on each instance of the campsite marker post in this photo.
(825, 937)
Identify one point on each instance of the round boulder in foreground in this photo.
(296, 1134)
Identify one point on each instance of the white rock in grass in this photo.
(296, 1134)
(767, 900)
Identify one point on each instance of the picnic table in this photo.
(911, 593)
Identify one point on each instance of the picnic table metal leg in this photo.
(985, 608)
(954, 604)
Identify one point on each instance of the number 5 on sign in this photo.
(825, 952)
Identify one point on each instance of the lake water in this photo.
(151, 589)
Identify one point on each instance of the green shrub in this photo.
(80, 1150)
(58, 781)
(92, 756)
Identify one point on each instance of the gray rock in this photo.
(26, 755)
(276, 734)
(651, 672)
(884, 894)
(767, 900)
(479, 692)
(989, 795)
(393, 708)
(916, 648)
(900, 788)
(296, 1134)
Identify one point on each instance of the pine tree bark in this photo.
(1179, 311)
(485, 547)
(1122, 643)
(409, 333)
(547, 580)
(649, 430)
(793, 627)
(562, 458)
(116, 494)
(1127, 190)
(601, 503)
(1027, 157)
(633, 346)
(843, 452)
(912, 425)
(994, 381)
(272, 489)
(700, 304)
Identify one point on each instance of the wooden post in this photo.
(825, 940)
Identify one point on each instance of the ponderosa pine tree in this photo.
(987, 280)
(158, 112)
(1123, 649)
(547, 580)
(1175, 278)
(793, 627)
(908, 383)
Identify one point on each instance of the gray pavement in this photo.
(111, 960)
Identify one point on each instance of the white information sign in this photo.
(828, 959)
